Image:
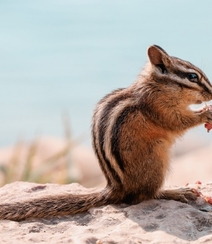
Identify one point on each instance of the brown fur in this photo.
(133, 130)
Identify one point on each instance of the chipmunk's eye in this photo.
(193, 77)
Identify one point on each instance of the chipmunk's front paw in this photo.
(207, 113)
(208, 124)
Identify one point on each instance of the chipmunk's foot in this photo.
(183, 194)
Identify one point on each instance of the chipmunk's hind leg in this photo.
(182, 194)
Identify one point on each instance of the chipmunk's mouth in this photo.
(199, 107)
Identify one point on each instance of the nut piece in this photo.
(208, 125)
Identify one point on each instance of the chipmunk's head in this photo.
(188, 82)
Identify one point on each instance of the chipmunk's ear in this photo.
(159, 58)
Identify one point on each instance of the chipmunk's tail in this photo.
(60, 205)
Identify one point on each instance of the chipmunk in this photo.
(133, 130)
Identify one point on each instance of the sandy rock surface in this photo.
(154, 221)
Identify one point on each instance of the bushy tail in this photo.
(60, 205)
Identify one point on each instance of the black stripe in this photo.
(204, 87)
(96, 151)
(188, 65)
(115, 140)
(102, 129)
(187, 86)
(183, 75)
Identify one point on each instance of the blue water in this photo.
(62, 56)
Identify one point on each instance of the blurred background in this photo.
(59, 57)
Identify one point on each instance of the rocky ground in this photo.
(154, 221)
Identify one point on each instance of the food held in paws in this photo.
(208, 125)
